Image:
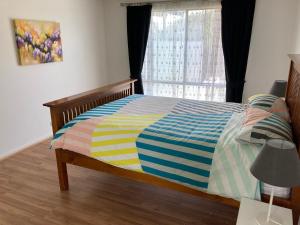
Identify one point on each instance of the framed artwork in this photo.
(38, 41)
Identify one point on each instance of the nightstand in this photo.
(249, 209)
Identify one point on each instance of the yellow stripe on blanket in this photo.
(109, 125)
(114, 139)
(115, 132)
(114, 152)
(124, 162)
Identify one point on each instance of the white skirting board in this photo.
(25, 146)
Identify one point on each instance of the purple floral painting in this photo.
(38, 41)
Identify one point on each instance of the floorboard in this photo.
(29, 195)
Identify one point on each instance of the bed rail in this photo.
(65, 109)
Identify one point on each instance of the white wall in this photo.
(296, 42)
(272, 39)
(23, 89)
(116, 41)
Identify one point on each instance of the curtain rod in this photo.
(125, 4)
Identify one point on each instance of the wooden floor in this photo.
(29, 195)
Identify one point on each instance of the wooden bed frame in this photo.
(64, 110)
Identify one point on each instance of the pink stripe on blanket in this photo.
(78, 138)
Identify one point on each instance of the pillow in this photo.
(254, 96)
(254, 115)
(270, 103)
(280, 108)
(259, 126)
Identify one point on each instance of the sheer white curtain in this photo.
(184, 56)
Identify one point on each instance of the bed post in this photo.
(57, 122)
(62, 171)
(295, 203)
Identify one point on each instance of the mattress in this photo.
(185, 141)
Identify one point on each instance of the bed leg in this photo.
(296, 204)
(295, 217)
(62, 172)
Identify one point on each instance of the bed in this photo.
(120, 98)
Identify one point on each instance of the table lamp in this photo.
(279, 88)
(277, 164)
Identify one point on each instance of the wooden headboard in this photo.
(293, 101)
(293, 97)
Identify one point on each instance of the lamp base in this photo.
(261, 219)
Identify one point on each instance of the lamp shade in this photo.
(279, 87)
(277, 164)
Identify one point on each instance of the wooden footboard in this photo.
(65, 109)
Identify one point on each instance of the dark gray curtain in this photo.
(138, 23)
(237, 20)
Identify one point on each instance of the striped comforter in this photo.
(175, 139)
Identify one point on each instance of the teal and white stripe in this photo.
(195, 107)
(183, 153)
(230, 171)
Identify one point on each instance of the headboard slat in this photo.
(65, 109)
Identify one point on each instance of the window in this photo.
(184, 56)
